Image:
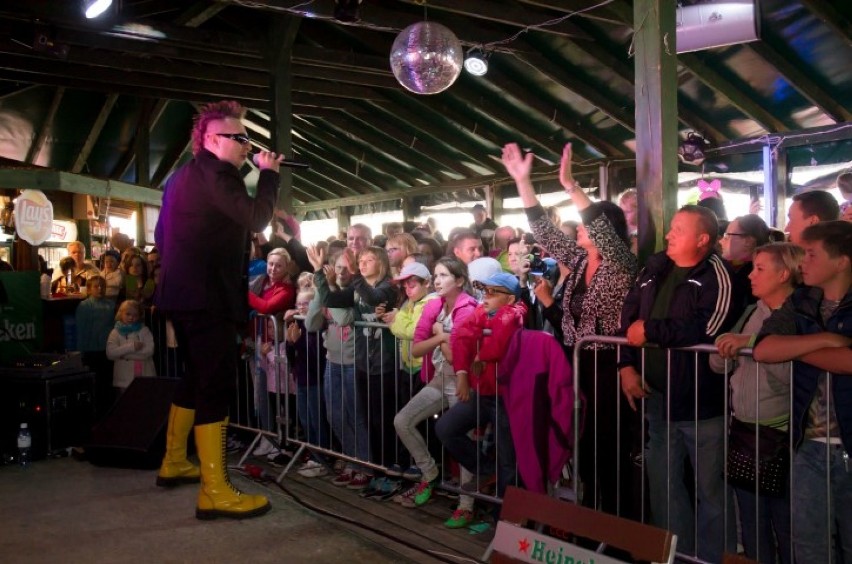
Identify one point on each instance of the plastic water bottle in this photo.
(25, 441)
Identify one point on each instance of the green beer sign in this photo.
(21, 326)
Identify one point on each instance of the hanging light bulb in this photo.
(95, 8)
(476, 62)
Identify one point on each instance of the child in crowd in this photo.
(307, 364)
(475, 355)
(271, 383)
(94, 318)
(305, 281)
(347, 421)
(814, 329)
(112, 274)
(375, 387)
(431, 336)
(415, 280)
(130, 346)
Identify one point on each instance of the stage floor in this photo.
(64, 510)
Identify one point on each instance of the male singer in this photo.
(203, 238)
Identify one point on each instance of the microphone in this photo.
(285, 162)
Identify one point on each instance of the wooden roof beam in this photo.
(793, 71)
(46, 126)
(831, 17)
(94, 133)
(715, 81)
(507, 14)
(348, 143)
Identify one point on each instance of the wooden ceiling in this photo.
(114, 97)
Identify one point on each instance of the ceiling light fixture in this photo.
(95, 8)
(476, 62)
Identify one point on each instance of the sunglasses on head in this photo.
(238, 137)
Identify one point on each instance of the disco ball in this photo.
(426, 58)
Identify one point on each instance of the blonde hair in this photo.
(406, 241)
(96, 280)
(306, 279)
(140, 311)
(786, 256)
(290, 267)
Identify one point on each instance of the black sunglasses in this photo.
(238, 137)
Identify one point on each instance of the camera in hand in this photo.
(537, 265)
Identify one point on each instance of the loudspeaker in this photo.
(133, 432)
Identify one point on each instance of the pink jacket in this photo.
(538, 393)
(464, 306)
(469, 343)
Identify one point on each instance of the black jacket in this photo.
(203, 237)
(703, 306)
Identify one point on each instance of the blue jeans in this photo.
(313, 417)
(811, 531)
(345, 412)
(757, 533)
(671, 507)
(452, 428)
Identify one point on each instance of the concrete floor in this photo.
(63, 510)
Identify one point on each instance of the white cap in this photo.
(483, 268)
(413, 269)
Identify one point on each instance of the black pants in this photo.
(604, 471)
(379, 394)
(210, 351)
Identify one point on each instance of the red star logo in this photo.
(523, 545)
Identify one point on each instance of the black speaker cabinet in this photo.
(132, 434)
(59, 409)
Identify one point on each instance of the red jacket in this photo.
(278, 298)
(469, 343)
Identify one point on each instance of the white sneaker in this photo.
(312, 469)
(264, 447)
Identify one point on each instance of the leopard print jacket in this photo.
(601, 311)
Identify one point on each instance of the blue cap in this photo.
(506, 280)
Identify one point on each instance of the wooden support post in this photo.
(343, 219)
(656, 120)
(282, 34)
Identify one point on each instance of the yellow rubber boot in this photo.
(176, 469)
(218, 498)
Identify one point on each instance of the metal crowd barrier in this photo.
(283, 422)
(636, 504)
(630, 442)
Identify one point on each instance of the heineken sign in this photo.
(529, 546)
(20, 315)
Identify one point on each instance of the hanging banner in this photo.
(33, 217)
(21, 324)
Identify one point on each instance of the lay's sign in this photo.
(33, 217)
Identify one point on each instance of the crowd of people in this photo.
(381, 334)
(718, 281)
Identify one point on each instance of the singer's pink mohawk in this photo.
(213, 112)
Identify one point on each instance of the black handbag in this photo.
(773, 460)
